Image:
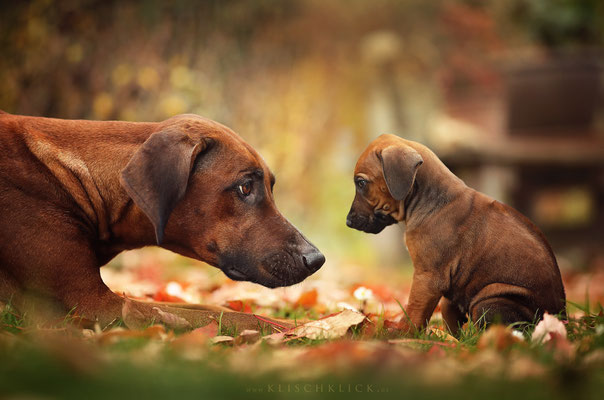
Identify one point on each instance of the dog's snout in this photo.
(350, 219)
(313, 260)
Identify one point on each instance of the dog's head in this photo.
(209, 196)
(383, 177)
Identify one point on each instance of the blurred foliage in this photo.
(561, 23)
(308, 83)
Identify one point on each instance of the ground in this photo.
(340, 348)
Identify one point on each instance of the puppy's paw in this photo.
(397, 330)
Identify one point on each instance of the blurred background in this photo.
(507, 93)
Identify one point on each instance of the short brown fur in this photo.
(480, 256)
(66, 209)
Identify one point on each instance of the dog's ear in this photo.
(156, 176)
(399, 165)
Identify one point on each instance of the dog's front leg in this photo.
(423, 299)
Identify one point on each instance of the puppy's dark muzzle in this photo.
(370, 224)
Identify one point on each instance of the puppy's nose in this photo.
(349, 220)
(313, 260)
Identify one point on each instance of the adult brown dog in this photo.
(482, 257)
(74, 194)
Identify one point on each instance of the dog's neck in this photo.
(434, 187)
(66, 149)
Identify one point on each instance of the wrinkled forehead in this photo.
(368, 163)
(237, 150)
(246, 157)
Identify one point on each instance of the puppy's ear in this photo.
(399, 165)
(156, 176)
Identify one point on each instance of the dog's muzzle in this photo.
(369, 223)
(288, 269)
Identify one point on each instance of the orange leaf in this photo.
(240, 306)
(210, 329)
(308, 299)
(498, 337)
(163, 295)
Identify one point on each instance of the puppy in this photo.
(483, 258)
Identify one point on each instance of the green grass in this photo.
(61, 364)
(10, 320)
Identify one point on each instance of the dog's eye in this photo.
(245, 189)
(361, 183)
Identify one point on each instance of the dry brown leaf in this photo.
(228, 340)
(329, 328)
(133, 318)
(275, 338)
(248, 336)
(439, 333)
(117, 334)
(499, 337)
(172, 321)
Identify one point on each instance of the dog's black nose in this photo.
(313, 260)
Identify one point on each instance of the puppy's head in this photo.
(383, 177)
(209, 196)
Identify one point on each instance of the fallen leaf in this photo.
(275, 338)
(116, 334)
(227, 340)
(330, 327)
(439, 333)
(248, 336)
(133, 318)
(499, 337)
(172, 321)
(209, 330)
(548, 325)
(307, 299)
(240, 306)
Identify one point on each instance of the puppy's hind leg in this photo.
(452, 316)
(10, 291)
(500, 310)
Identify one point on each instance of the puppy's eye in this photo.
(361, 183)
(245, 189)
